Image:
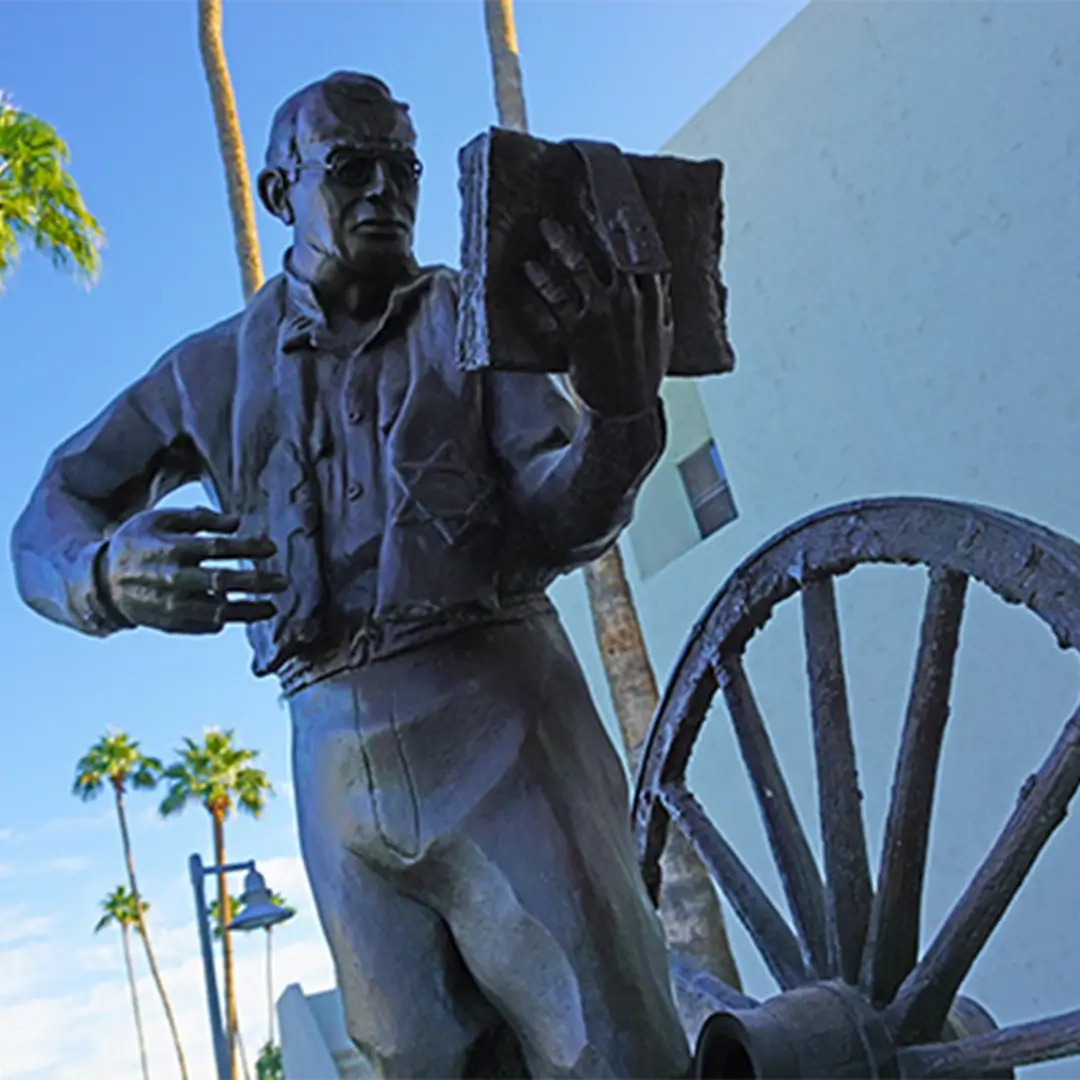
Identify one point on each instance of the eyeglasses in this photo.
(356, 168)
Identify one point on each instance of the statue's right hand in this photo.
(152, 572)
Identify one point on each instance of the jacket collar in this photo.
(304, 325)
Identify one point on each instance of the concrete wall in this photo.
(314, 1043)
(903, 207)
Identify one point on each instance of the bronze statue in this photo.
(463, 816)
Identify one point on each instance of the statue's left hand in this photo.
(152, 572)
(618, 327)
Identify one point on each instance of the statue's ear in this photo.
(274, 193)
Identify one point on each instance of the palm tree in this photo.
(505, 64)
(218, 775)
(116, 760)
(217, 928)
(39, 202)
(689, 908)
(269, 1066)
(231, 144)
(127, 911)
(217, 925)
(246, 240)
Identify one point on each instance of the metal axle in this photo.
(827, 1030)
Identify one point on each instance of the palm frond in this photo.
(120, 907)
(115, 758)
(40, 203)
(218, 774)
(175, 801)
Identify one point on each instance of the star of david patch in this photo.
(442, 491)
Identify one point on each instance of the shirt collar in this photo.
(304, 325)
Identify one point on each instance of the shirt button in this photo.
(354, 491)
(355, 414)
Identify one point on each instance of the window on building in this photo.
(707, 488)
(687, 497)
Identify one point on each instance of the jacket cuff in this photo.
(637, 440)
(89, 596)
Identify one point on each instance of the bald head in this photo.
(346, 105)
(342, 172)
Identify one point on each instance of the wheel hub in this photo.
(827, 1030)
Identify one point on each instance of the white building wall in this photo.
(314, 1042)
(903, 258)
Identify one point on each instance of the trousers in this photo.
(463, 820)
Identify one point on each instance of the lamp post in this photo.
(257, 912)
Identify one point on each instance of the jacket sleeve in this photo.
(572, 474)
(131, 455)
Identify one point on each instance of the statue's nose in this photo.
(381, 181)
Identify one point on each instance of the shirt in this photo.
(348, 447)
(491, 484)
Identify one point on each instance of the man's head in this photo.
(341, 169)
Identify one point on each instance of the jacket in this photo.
(495, 482)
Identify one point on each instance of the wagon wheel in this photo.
(857, 996)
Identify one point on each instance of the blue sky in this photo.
(122, 83)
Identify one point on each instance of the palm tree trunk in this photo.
(689, 908)
(231, 144)
(505, 64)
(226, 939)
(135, 1000)
(243, 1053)
(151, 960)
(270, 984)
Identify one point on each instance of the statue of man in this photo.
(397, 520)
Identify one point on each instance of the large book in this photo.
(643, 214)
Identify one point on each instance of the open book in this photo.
(643, 214)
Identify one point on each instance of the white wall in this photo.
(314, 1042)
(903, 258)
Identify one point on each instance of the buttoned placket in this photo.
(349, 457)
(358, 403)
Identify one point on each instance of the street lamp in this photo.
(257, 908)
(257, 911)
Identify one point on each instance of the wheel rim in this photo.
(852, 952)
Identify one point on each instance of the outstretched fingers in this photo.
(564, 247)
(559, 299)
(223, 545)
(199, 548)
(223, 581)
(245, 611)
(570, 286)
(200, 519)
(206, 615)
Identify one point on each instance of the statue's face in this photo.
(354, 195)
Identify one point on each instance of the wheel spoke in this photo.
(996, 1051)
(798, 871)
(847, 871)
(925, 995)
(893, 939)
(706, 986)
(763, 922)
